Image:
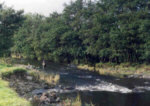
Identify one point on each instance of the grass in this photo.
(37, 75)
(9, 97)
(118, 70)
(48, 78)
(75, 102)
(3, 66)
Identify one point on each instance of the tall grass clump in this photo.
(48, 78)
(8, 72)
(75, 102)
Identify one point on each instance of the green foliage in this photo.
(7, 73)
(88, 32)
(10, 21)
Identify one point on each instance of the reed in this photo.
(118, 70)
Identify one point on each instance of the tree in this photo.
(10, 21)
(89, 32)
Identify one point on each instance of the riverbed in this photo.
(97, 89)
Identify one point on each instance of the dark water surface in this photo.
(100, 90)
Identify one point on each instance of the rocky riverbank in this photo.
(34, 91)
(37, 92)
(27, 86)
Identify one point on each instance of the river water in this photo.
(98, 89)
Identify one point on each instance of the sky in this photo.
(44, 7)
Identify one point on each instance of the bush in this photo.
(19, 72)
(9, 72)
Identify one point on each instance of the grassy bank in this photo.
(8, 70)
(118, 70)
(9, 97)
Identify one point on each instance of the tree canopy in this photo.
(85, 32)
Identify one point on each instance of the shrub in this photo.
(19, 72)
(7, 73)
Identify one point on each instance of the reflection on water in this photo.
(101, 90)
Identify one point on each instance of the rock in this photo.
(36, 99)
(29, 67)
(11, 84)
(58, 99)
(71, 66)
(52, 94)
(36, 92)
(53, 100)
(125, 76)
(146, 83)
(61, 87)
(45, 94)
(131, 76)
(13, 77)
(43, 98)
(146, 76)
(39, 91)
(29, 78)
(135, 76)
(30, 99)
(46, 86)
(117, 79)
(58, 104)
(135, 90)
(47, 104)
(69, 88)
(47, 100)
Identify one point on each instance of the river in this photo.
(98, 89)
